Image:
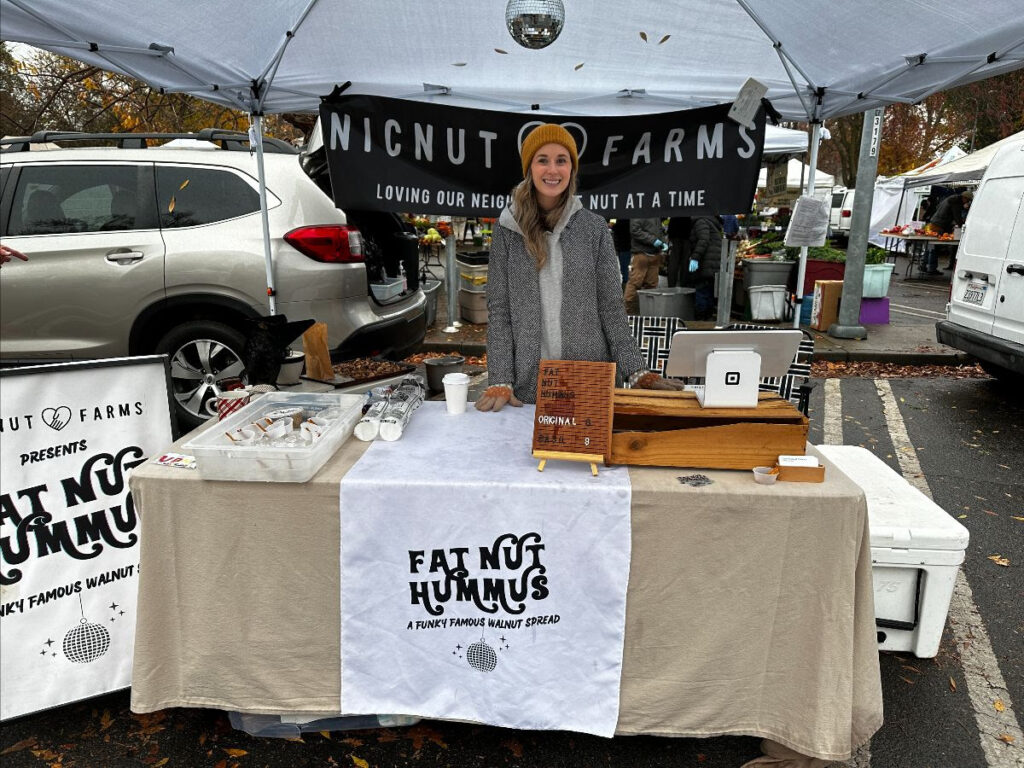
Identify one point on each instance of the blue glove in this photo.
(659, 244)
(693, 265)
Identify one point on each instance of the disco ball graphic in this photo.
(480, 656)
(534, 23)
(87, 642)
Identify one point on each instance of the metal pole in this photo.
(801, 268)
(451, 284)
(848, 325)
(726, 269)
(256, 137)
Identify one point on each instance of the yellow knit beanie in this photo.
(547, 133)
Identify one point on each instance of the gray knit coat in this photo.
(594, 325)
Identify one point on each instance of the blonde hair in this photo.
(534, 221)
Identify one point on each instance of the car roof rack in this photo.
(228, 140)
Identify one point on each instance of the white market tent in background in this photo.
(817, 60)
(966, 170)
(797, 173)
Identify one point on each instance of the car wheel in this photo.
(202, 355)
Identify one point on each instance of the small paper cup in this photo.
(456, 391)
(231, 401)
(765, 475)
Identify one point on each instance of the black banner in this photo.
(406, 156)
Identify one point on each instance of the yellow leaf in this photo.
(106, 720)
(325, 734)
(170, 205)
(1017, 518)
(998, 705)
(23, 744)
(952, 685)
(183, 185)
(1006, 737)
(165, 761)
(235, 752)
(359, 762)
(999, 560)
(961, 517)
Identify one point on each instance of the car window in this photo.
(53, 199)
(188, 196)
(837, 199)
(991, 216)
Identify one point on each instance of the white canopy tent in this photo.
(818, 61)
(966, 170)
(797, 173)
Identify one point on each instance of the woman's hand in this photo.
(495, 398)
(655, 381)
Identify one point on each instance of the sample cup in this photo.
(231, 401)
(456, 390)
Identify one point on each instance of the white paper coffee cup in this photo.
(456, 391)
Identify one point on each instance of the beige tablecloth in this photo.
(749, 608)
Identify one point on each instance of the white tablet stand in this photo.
(731, 379)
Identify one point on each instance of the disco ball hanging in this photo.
(535, 23)
(86, 642)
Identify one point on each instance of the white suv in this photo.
(136, 250)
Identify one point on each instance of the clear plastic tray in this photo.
(218, 458)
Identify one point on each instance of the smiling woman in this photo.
(553, 287)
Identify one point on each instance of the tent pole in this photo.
(256, 137)
(451, 284)
(802, 264)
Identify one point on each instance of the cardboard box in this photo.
(825, 309)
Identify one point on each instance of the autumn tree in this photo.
(46, 91)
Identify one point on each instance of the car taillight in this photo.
(331, 244)
(846, 214)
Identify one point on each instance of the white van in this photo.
(985, 314)
(841, 214)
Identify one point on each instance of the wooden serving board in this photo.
(671, 429)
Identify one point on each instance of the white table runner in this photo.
(474, 587)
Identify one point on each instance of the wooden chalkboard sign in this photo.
(573, 419)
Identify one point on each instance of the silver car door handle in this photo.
(124, 256)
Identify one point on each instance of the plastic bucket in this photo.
(438, 367)
(668, 302)
(430, 289)
(767, 302)
(876, 280)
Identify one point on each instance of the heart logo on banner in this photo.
(573, 128)
(57, 418)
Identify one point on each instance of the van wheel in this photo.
(1004, 375)
(202, 354)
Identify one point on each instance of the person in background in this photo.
(553, 281)
(648, 241)
(679, 261)
(621, 240)
(731, 226)
(706, 250)
(7, 253)
(950, 212)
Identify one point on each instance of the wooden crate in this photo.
(671, 429)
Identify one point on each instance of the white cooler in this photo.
(916, 549)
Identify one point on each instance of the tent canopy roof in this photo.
(818, 61)
(967, 169)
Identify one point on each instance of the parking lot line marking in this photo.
(832, 423)
(985, 681)
(917, 311)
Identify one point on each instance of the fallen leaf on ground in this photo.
(359, 762)
(23, 744)
(952, 685)
(513, 746)
(999, 560)
(1017, 518)
(906, 680)
(1006, 737)
(235, 752)
(998, 705)
(106, 720)
(325, 734)
(165, 761)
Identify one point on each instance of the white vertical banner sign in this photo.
(70, 435)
